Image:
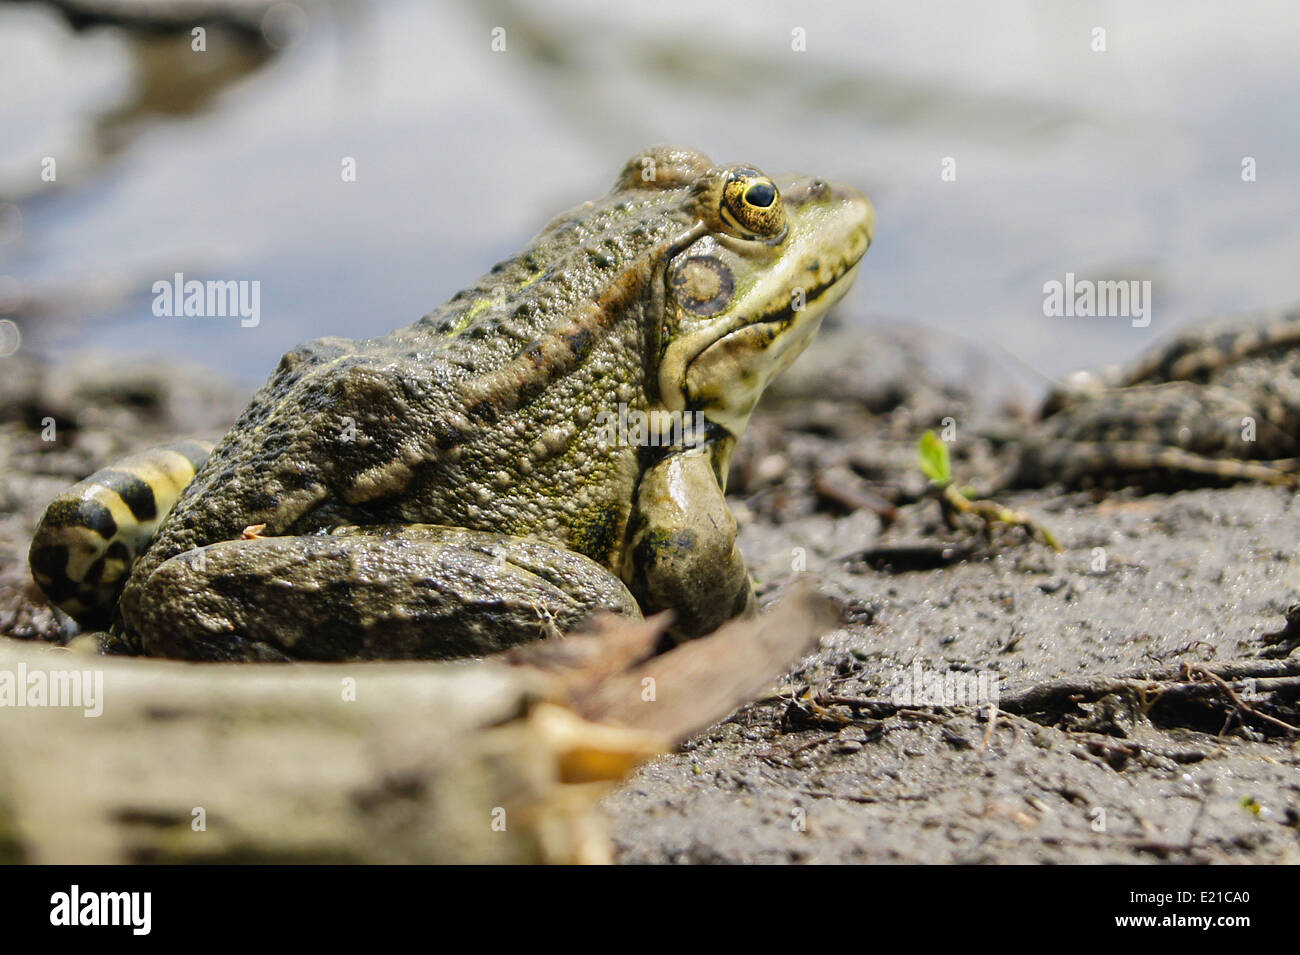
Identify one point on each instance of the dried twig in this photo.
(1197, 672)
(701, 681)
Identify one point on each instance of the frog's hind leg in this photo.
(1077, 463)
(384, 592)
(91, 534)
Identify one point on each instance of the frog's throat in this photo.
(722, 370)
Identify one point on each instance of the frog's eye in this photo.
(752, 206)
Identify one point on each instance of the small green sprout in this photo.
(936, 465)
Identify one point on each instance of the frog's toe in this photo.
(368, 593)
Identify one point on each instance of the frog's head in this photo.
(743, 297)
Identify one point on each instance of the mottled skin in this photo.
(1219, 403)
(446, 490)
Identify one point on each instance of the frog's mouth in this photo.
(727, 378)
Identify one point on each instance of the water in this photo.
(1122, 164)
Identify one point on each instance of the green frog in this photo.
(1215, 404)
(466, 483)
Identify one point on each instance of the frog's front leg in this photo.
(412, 591)
(684, 555)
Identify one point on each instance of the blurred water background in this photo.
(226, 164)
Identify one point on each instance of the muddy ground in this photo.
(826, 486)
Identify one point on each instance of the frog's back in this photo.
(480, 415)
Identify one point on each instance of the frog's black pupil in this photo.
(760, 194)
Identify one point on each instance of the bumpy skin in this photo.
(450, 488)
(1182, 414)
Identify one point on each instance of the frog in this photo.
(1215, 404)
(464, 484)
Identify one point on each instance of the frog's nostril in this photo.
(818, 188)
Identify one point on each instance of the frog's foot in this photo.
(684, 553)
(91, 534)
(1075, 462)
(400, 591)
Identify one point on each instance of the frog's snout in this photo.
(862, 210)
(832, 225)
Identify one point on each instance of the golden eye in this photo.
(752, 206)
